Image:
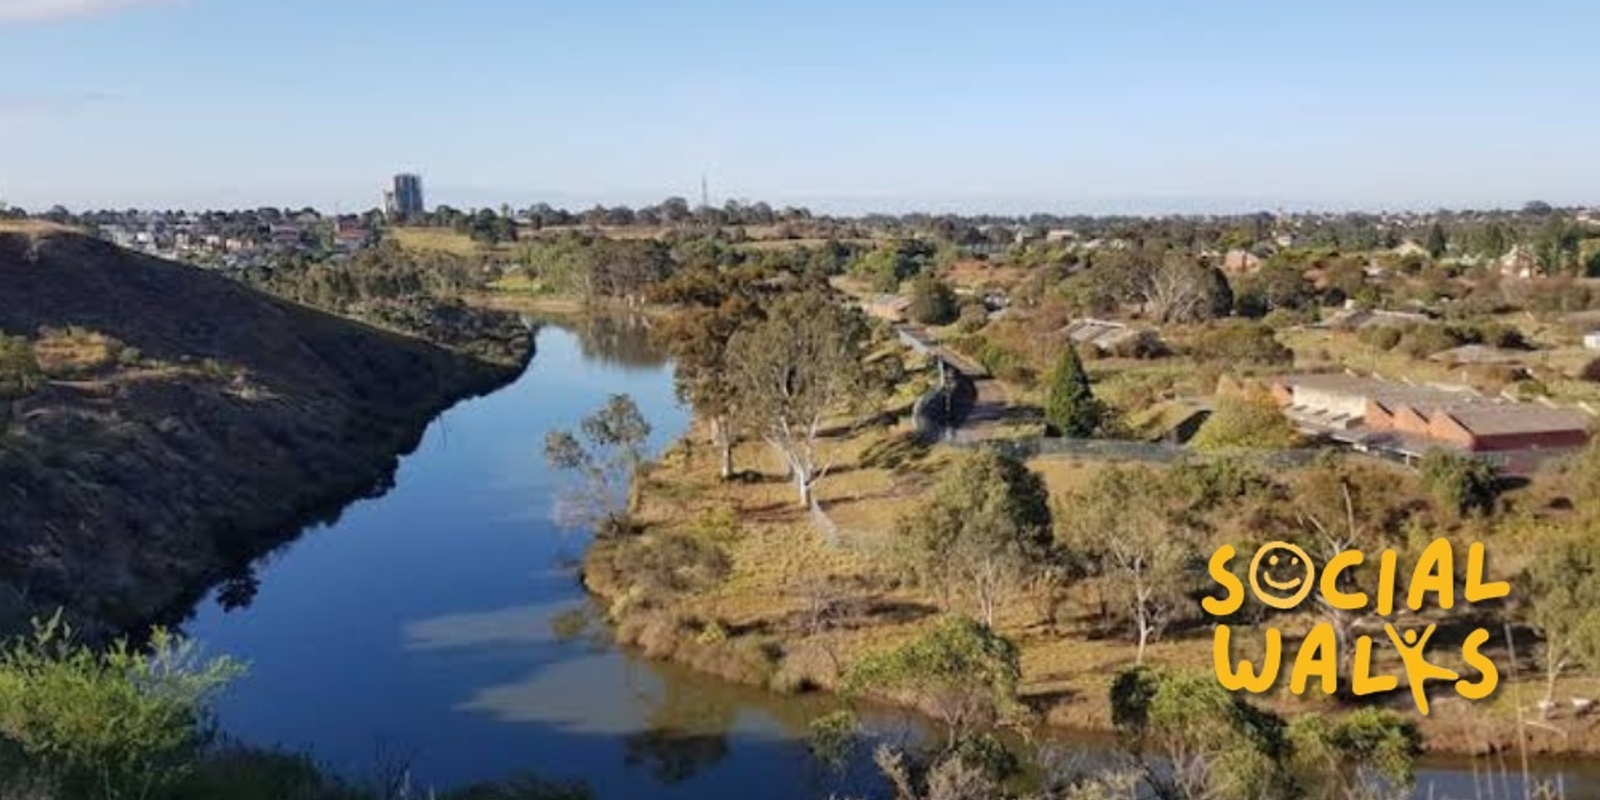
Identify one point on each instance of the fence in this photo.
(1122, 450)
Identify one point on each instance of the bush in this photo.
(1194, 720)
(1460, 482)
(1247, 420)
(125, 723)
(1591, 371)
(932, 302)
(972, 318)
(1421, 341)
(1242, 342)
(74, 352)
(671, 563)
(19, 369)
(1382, 337)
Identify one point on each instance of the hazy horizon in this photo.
(1015, 106)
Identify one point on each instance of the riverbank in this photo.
(150, 455)
(793, 611)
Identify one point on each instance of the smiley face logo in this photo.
(1286, 570)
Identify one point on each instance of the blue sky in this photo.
(1135, 105)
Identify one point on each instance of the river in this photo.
(441, 626)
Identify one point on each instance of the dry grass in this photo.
(975, 275)
(444, 240)
(34, 227)
(1069, 658)
(76, 352)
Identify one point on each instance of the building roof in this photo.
(1103, 334)
(889, 301)
(1519, 418)
(1479, 354)
(1357, 318)
(1479, 415)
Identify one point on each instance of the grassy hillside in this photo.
(160, 424)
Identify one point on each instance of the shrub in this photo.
(932, 302)
(1234, 748)
(1382, 337)
(960, 672)
(1591, 371)
(1421, 341)
(125, 723)
(1246, 420)
(75, 352)
(671, 563)
(19, 369)
(972, 318)
(1354, 751)
(1242, 342)
(1459, 482)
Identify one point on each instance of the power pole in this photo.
(705, 192)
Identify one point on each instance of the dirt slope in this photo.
(184, 423)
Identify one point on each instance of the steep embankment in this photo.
(174, 423)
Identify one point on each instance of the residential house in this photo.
(1351, 319)
(285, 235)
(1519, 262)
(1110, 338)
(891, 307)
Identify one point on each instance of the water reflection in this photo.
(444, 617)
(615, 339)
(521, 625)
(238, 591)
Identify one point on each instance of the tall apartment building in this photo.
(405, 200)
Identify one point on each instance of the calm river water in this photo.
(421, 627)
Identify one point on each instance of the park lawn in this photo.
(445, 240)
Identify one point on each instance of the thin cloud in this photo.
(27, 107)
(24, 11)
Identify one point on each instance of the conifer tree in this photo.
(1071, 408)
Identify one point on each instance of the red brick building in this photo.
(1408, 420)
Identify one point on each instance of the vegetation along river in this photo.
(440, 626)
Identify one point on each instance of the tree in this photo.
(932, 302)
(1197, 740)
(19, 368)
(1183, 290)
(608, 459)
(1246, 420)
(1460, 482)
(1071, 408)
(120, 724)
(890, 264)
(717, 304)
(1557, 244)
(985, 526)
(961, 673)
(1343, 505)
(793, 370)
(1119, 524)
(1437, 244)
(1349, 755)
(1563, 588)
